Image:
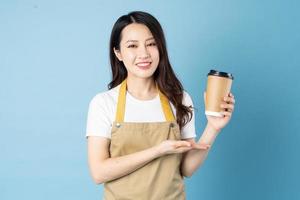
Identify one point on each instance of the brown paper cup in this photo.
(218, 86)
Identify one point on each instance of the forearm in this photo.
(194, 158)
(113, 168)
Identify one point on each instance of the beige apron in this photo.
(160, 179)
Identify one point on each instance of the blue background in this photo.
(54, 59)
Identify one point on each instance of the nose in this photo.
(143, 52)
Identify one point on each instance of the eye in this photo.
(152, 44)
(132, 46)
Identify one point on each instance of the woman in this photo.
(141, 132)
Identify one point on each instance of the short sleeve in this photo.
(188, 131)
(98, 120)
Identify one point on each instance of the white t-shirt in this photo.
(102, 113)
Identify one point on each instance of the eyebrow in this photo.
(137, 40)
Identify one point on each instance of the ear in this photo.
(118, 54)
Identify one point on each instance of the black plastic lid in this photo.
(221, 74)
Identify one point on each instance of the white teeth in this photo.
(143, 64)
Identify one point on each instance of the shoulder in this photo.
(105, 98)
(187, 98)
(101, 113)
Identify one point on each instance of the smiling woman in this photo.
(136, 38)
(138, 51)
(141, 131)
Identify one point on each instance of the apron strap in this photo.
(122, 102)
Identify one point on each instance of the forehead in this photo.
(135, 31)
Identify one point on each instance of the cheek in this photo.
(155, 54)
(128, 57)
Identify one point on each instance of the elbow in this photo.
(98, 180)
(97, 174)
(187, 174)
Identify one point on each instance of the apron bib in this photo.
(159, 179)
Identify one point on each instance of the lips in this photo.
(143, 64)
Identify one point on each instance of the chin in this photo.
(143, 73)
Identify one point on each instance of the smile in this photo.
(144, 65)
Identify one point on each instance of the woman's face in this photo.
(138, 51)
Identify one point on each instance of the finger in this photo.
(230, 95)
(226, 113)
(227, 106)
(182, 144)
(183, 149)
(200, 146)
(229, 100)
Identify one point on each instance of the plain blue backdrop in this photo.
(54, 59)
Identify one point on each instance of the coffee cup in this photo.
(218, 87)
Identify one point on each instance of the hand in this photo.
(179, 146)
(228, 106)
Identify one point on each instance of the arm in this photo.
(194, 158)
(103, 168)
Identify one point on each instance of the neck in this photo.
(141, 88)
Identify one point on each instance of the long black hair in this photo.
(164, 75)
